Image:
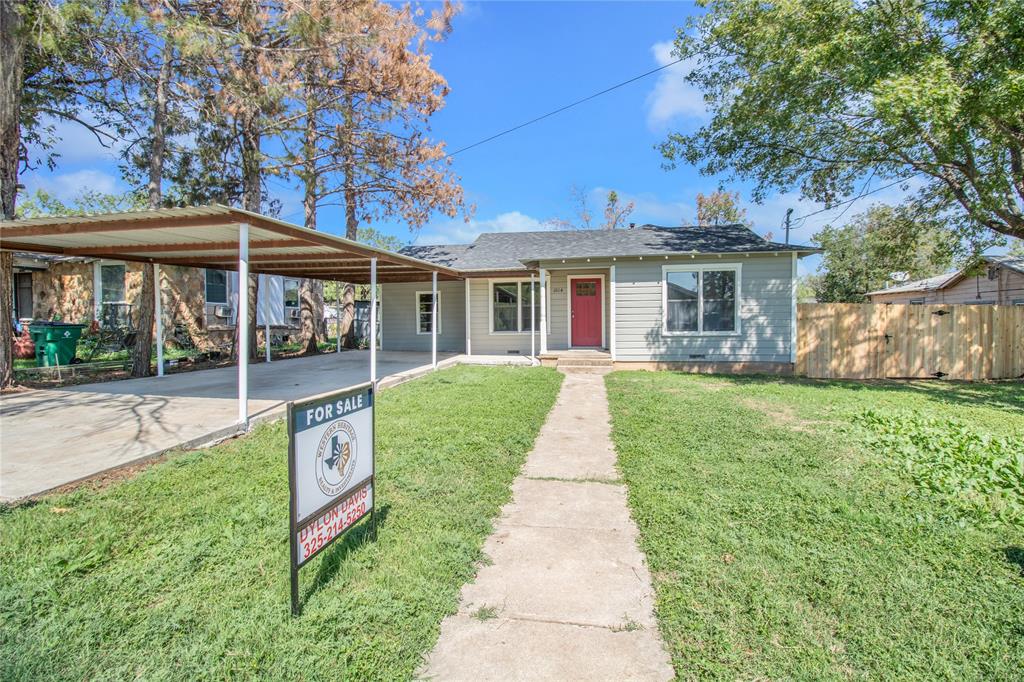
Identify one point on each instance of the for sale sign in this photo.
(331, 469)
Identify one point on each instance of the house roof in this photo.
(208, 237)
(944, 280)
(512, 250)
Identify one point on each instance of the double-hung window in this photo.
(216, 286)
(112, 283)
(512, 305)
(291, 292)
(701, 299)
(424, 313)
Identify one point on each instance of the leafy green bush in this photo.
(974, 477)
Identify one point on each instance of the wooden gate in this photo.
(877, 341)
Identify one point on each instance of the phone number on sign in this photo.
(333, 523)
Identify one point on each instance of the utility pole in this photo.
(789, 212)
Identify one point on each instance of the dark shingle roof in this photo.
(509, 250)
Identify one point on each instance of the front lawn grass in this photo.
(182, 572)
(784, 544)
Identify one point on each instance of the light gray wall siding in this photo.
(398, 317)
(485, 342)
(765, 313)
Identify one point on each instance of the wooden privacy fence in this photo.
(898, 340)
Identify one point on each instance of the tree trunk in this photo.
(348, 309)
(311, 293)
(11, 75)
(348, 301)
(147, 306)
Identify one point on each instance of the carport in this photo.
(230, 239)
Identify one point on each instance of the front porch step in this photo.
(584, 362)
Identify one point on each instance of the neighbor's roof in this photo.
(941, 281)
(927, 284)
(207, 236)
(511, 250)
(1015, 263)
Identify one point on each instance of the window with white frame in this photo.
(112, 283)
(424, 315)
(512, 305)
(216, 286)
(291, 292)
(701, 299)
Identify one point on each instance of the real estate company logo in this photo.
(336, 457)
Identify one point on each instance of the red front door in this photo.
(586, 311)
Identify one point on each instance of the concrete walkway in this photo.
(52, 437)
(568, 595)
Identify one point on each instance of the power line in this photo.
(850, 201)
(561, 109)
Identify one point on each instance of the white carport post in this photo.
(433, 319)
(159, 315)
(266, 314)
(373, 321)
(243, 325)
(533, 320)
(543, 313)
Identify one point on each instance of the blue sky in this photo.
(507, 62)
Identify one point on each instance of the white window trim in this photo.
(227, 287)
(97, 284)
(519, 306)
(416, 308)
(666, 269)
(568, 309)
(284, 295)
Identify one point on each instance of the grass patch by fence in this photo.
(182, 572)
(784, 544)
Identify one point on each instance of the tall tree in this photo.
(875, 247)
(829, 94)
(251, 60)
(720, 208)
(368, 94)
(12, 39)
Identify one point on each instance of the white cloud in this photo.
(462, 232)
(673, 98)
(67, 186)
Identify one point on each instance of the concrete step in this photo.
(585, 362)
(585, 370)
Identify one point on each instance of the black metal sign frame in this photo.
(294, 526)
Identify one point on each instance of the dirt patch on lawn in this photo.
(784, 415)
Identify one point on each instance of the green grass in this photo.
(182, 571)
(785, 544)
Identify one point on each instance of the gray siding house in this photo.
(709, 298)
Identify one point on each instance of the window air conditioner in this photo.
(293, 313)
(224, 311)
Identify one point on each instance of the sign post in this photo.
(331, 471)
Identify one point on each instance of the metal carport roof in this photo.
(208, 237)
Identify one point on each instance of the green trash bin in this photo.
(56, 342)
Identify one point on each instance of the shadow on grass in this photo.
(1015, 555)
(335, 556)
(1003, 395)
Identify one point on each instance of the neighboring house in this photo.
(650, 295)
(204, 301)
(1000, 281)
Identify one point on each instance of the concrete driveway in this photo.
(52, 437)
